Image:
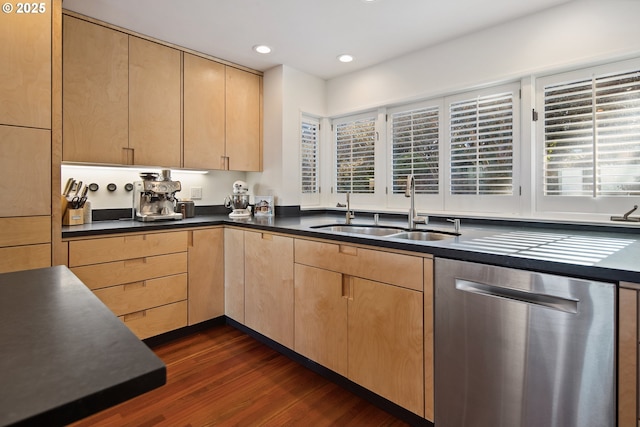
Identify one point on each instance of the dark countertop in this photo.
(608, 253)
(64, 355)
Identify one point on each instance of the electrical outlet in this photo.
(196, 193)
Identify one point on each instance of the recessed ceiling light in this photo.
(345, 58)
(261, 48)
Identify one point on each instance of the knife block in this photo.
(71, 216)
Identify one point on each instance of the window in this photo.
(592, 136)
(481, 145)
(415, 139)
(355, 155)
(309, 138)
(482, 150)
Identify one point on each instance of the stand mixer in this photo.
(238, 201)
(154, 197)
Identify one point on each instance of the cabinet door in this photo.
(628, 357)
(15, 258)
(206, 275)
(386, 342)
(428, 341)
(25, 171)
(95, 93)
(234, 274)
(154, 103)
(204, 113)
(269, 286)
(25, 73)
(243, 121)
(321, 317)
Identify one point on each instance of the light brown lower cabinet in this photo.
(628, 341)
(25, 243)
(234, 274)
(268, 298)
(142, 278)
(206, 274)
(367, 330)
(321, 305)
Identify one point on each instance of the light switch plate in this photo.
(196, 193)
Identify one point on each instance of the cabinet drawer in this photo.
(388, 267)
(93, 251)
(156, 321)
(27, 230)
(132, 297)
(134, 270)
(24, 257)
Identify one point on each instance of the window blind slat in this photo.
(592, 136)
(481, 145)
(309, 157)
(415, 138)
(355, 151)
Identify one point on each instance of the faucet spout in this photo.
(410, 191)
(349, 215)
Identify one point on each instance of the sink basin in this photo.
(424, 236)
(371, 230)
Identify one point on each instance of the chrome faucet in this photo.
(350, 215)
(410, 191)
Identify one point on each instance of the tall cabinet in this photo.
(27, 113)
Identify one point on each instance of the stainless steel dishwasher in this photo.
(516, 348)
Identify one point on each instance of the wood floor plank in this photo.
(223, 377)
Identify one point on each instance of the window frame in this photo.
(578, 205)
(434, 202)
(310, 198)
(484, 203)
(366, 198)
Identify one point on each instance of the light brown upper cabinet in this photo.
(95, 93)
(134, 101)
(25, 73)
(222, 113)
(204, 111)
(154, 103)
(243, 128)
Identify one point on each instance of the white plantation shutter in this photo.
(309, 138)
(415, 149)
(355, 160)
(481, 145)
(592, 136)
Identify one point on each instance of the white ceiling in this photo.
(307, 34)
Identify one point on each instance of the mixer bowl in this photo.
(238, 201)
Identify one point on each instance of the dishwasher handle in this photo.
(541, 300)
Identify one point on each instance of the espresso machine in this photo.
(238, 201)
(154, 197)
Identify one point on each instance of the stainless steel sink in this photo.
(370, 230)
(424, 236)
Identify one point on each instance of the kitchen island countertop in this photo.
(590, 252)
(64, 355)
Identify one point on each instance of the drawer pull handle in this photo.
(348, 250)
(347, 287)
(135, 238)
(135, 316)
(135, 261)
(135, 285)
(266, 236)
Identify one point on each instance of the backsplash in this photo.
(215, 185)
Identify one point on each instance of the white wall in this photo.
(571, 35)
(287, 94)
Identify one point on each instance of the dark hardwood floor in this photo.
(223, 377)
